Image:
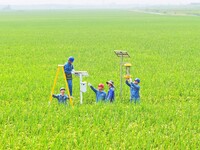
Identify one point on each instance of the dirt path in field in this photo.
(164, 14)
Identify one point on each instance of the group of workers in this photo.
(100, 93)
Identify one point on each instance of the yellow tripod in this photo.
(54, 84)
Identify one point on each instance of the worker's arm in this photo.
(93, 89)
(55, 96)
(73, 71)
(135, 85)
(104, 96)
(128, 83)
(66, 97)
(110, 94)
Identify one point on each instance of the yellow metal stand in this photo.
(54, 84)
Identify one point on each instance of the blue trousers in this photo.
(135, 100)
(70, 86)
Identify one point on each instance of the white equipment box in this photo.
(83, 85)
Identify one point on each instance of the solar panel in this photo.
(83, 73)
(121, 53)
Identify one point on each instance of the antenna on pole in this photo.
(122, 54)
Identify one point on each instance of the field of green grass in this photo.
(165, 55)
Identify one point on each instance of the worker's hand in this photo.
(73, 71)
(89, 84)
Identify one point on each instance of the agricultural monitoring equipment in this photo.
(54, 84)
(122, 54)
(128, 70)
(83, 85)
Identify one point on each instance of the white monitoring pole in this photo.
(83, 85)
(121, 54)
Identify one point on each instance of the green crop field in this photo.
(165, 55)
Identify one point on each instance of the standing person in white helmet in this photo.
(134, 89)
(69, 70)
(111, 93)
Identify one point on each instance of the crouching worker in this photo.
(111, 93)
(134, 89)
(62, 98)
(100, 94)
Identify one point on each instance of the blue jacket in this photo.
(134, 90)
(61, 99)
(111, 94)
(68, 70)
(99, 95)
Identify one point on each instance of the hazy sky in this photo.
(25, 2)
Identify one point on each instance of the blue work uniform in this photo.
(134, 89)
(100, 96)
(68, 72)
(60, 98)
(111, 94)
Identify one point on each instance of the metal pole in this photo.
(121, 76)
(81, 94)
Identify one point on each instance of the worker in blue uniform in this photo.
(100, 94)
(62, 98)
(69, 70)
(111, 93)
(134, 90)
